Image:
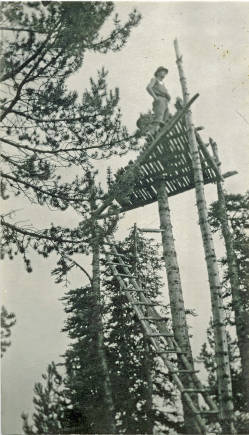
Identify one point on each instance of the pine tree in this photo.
(47, 127)
(7, 321)
(96, 235)
(236, 305)
(237, 298)
(84, 378)
(207, 355)
(143, 395)
(50, 404)
(138, 381)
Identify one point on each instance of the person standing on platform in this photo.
(161, 98)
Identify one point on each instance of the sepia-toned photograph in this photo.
(124, 217)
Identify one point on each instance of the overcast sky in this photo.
(214, 40)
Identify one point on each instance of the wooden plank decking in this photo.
(169, 157)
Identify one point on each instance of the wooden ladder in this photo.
(160, 336)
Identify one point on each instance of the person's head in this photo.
(161, 72)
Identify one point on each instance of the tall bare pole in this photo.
(109, 425)
(178, 314)
(221, 347)
(147, 356)
(240, 313)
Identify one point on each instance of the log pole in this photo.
(179, 322)
(221, 346)
(240, 313)
(109, 423)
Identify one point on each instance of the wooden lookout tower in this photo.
(175, 161)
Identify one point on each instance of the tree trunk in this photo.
(149, 388)
(109, 424)
(179, 322)
(147, 359)
(108, 401)
(221, 347)
(240, 314)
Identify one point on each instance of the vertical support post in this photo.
(110, 424)
(179, 322)
(149, 392)
(147, 360)
(221, 347)
(241, 316)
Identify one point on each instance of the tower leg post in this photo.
(220, 338)
(179, 322)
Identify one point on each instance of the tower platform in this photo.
(167, 156)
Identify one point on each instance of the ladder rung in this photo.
(118, 264)
(118, 255)
(151, 230)
(154, 318)
(184, 371)
(207, 412)
(170, 350)
(195, 390)
(145, 303)
(127, 275)
(160, 335)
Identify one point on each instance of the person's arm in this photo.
(149, 88)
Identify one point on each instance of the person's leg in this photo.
(159, 109)
(158, 112)
(166, 115)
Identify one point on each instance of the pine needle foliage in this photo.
(8, 320)
(144, 397)
(46, 128)
(236, 306)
